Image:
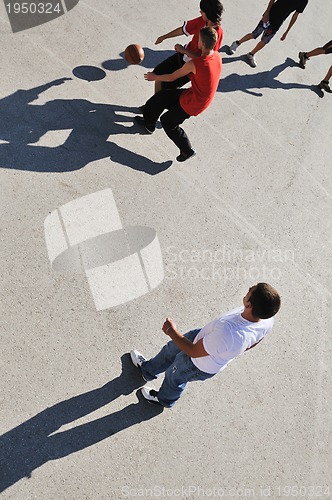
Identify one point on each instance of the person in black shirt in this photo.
(276, 13)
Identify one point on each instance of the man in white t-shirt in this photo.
(201, 353)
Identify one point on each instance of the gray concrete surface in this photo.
(255, 204)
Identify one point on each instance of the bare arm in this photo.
(193, 350)
(171, 34)
(187, 68)
(182, 50)
(266, 15)
(291, 23)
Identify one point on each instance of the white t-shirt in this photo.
(227, 337)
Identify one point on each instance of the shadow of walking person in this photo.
(265, 79)
(89, 126)
(35, 442)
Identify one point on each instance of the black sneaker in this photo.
(150, 395)
(324, 85)
(303, 59)
(186, 156)
(140, 121)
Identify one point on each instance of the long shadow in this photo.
(150, 61)
(33, 443)
(23, 124)
(264, 79)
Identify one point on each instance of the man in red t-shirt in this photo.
(204, 74)
(211, 11)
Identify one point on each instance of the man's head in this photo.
(263, 300)
(207, 38)
(212, 9)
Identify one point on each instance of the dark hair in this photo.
(209, 37)
(213, 10)
(265, 301)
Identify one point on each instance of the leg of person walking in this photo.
(164, 99)
(249, 36)
(267, 36)
(324, 84)
(305, 56)
(181, 371)
(170, 122)
(164, 359)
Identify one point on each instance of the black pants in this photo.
(168, 99)
(170, 65)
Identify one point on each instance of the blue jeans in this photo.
(178, 368)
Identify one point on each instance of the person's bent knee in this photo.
(267, 36)
(166, 123)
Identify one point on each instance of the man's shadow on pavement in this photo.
(264, 79)
(150, 61)
(23, 124)
(35, 442)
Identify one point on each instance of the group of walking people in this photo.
(199, 62)
(203, 352)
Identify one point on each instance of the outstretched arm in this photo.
(291, 23)
(187, 68)
(171, 34)
(32, 94)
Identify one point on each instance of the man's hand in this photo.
(168, 325)
(179, 48)
(60, 81)
(266, 18)
(159, 40)
(150, 77)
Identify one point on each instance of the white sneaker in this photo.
(151, 395)
(232, 48)
(137, 358)
(251, 60)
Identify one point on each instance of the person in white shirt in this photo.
(201, 353)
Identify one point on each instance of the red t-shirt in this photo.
(193, 27)
(204, 84)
